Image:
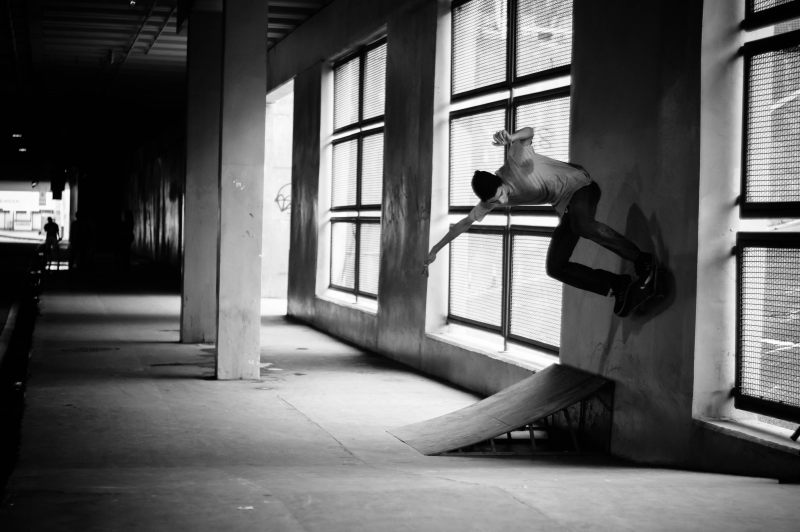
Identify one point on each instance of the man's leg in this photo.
(559, 267)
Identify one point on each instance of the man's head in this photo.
(49, 219)
(485, 184)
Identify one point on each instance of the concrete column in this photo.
(201, 207)
(244, 82)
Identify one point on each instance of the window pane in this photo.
(762, 5)
(345, 93)
(476, 277)
(375, 82)
(769, 349)
(535, 297)
(479, 44)
(369, 259)
(372, 170)
(544, 35)
(343, 254)
(773, 127)
(471, 149)
(343, 182)
(550, 120)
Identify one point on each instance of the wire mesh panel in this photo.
(535, 297)
(369, 257)
(471, 149)
(343, 254)
(476, 278)
(757, 6)
(550, 119)
(372, 169)
(768, 354)
(345, 93)
(480, 29)
(772, 152)
(374, 82)
(544, 35)
(344, 178)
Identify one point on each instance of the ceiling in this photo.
(78, 75)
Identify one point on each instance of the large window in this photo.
(768, 273)
(510, 66)
(359, 87)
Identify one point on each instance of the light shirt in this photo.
(533, 179)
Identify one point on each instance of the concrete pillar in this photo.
(201, 207)
(244, 82)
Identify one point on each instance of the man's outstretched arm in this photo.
(458, 228)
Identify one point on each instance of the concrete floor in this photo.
(125, 430)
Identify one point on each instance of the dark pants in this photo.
(579, 222)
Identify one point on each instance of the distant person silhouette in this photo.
(52, 237)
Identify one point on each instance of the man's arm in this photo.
(461, 226)
(503, 137)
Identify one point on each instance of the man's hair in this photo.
(485, 184)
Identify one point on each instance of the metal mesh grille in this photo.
(476, 278)
(769, 304)
(480, 30)
(345, 176)
(374, 82)
(471, 149)
(773, 127)
(369, 258)
(535, 297)
(343, 254)
(372, 169)
(763, 5)
(544, 35)
(550, 120)
(345, 93)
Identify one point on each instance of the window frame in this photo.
(767, 17)
(742, 401)
(761, 209)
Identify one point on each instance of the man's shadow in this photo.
(648, 236)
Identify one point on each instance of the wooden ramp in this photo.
(544, 393)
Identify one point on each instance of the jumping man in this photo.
(528, 178)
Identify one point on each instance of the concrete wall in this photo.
(154, 194)
(636, 122)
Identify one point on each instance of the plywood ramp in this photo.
(533, 398)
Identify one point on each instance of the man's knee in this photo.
(554, 267)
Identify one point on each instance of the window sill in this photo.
(363, 304)
(491, 345)
(754, 431)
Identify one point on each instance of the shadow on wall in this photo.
(648, 234)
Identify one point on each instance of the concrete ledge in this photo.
(8, 330)
(755, 432)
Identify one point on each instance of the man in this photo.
(528, 178)
(52, 236)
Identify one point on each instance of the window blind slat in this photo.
(479, 44)
(535, 297)
(374, 82)
(345, 93)
(544, 35)
(476, 278)
(471, 149)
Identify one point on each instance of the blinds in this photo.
(550, 119)
(374, 82)
(372, 169)
(343, 254)
(544, 35)
(345, 93)
(476, 278)
(369, 258)
(479, 44)
(772, 169)
(535, 297)
(471, 149)
(344, 182)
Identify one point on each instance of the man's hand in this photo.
(431, 257)
(501, 138)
